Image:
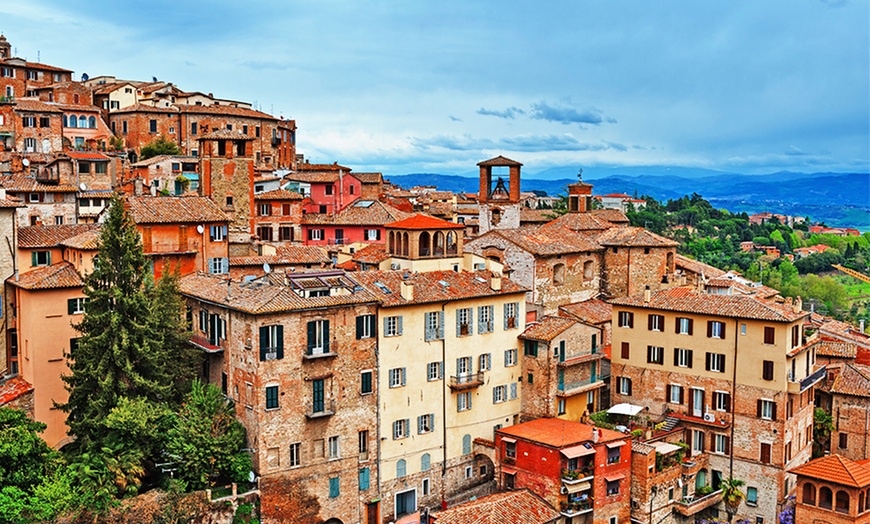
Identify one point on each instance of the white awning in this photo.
(615, 444)
(625, 409)
(506, 439)
(576, 488)
(664, 448)
(577, 451)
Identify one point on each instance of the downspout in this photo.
(733, 400)
(444, 388)
(376, 379)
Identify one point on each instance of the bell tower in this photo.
(579, 195)
(5, 48)
(499, 196)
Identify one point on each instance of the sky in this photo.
(434, 87)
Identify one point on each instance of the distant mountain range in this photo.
(838, 199)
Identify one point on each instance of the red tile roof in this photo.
(698, 268)
(56, 276)
(735, 306)
(286, 255)
(278, 194)
(34, 237)
(313, 177)
(87, 241)
(360, 213)
(174, 210)
(23, 184)
(589, 312)
(543, 241)
(535, 215)
(322, 167)
(33, 105)
(371, 254)
(499, 161)
(836, 349)
(837, 470)
(86, 155)
(12, 389)
(558, 433)
(33, 65)
(547, 328)
(421, 221)
(434, 286)
(633, 237)
(514, 507)
(853, 379)
(580, 222)
(225, 110)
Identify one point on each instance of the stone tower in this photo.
(5, 48)
(579, 195)
(499, 199)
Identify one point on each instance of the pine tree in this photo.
(117, 354)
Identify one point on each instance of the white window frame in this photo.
(334, 447)
(510, 357)
(484, 362)
(767, 409)
(463, 401)
(623, 319)
(716, 327)
(434, 371)
(657, 322)
(397, 377)
(717, 362)
(425, 424)
(371, 234)
(683, 360)
(433, 325)
(718, 443)
(485, 322)
(316, 234)
(511, 310)
(674, 393)
(656, 355)
(464, 317)
(683, 323)
(622, 385)
(697, 441)
(719, 400)
(79, 305)
(400, 429)
(391, 326)
(499, 394)
(295, 452)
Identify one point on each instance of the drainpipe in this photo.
(733, 399)
(444, 389)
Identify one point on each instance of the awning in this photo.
(190, 176)
(664, 448)
(625, 409)
(506, 439)
(578, 451)
(508, 470)
(576, 488)
(614, 477)
(615, 444)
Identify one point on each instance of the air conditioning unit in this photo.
(709, 417)
(395, 266)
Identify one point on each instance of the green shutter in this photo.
(33, 258)
(326, 336)
(71, 306)
(279, 344)
(264, 334)
(312, 335)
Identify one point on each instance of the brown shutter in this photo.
(707, 361)
(691, 322)
(691, 401)
(625, 350)
(691, 357)
(682, 396)
(631, 320)
(676, 356)
(722, 333)
(728, 402)
(773, 411)
(677, 326)
(758, 408)
(649, 322)
(727, 445)
(629, 387)
(703, 441)
(765, 453)
(709, 329)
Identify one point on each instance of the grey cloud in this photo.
(525, 143)
(509, 113)
(566, 115)
(454, 118)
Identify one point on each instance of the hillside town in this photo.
(405, 355)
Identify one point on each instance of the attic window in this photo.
(383, 288)
(364, 203)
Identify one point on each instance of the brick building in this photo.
(330, 187)
(165, 174)
(47, 203)
(280, 259)
(582, 471)
(833, 490)
(20, 78)
(297, 354)
(362, 222)
(499, 196)
(8, 267)
(845, 395)
(736, 370)
(278, 216)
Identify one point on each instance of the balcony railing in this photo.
(799, 386)
(579, 386)
(471, 380)
(320, 409)
(580, 358)
(690, 505)
(572, 509)
(574, 476)
(171, 248)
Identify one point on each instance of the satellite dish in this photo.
(85, 77)
(26, 162)
(266, 268)
(251, 476)
(200, 229)
(82, 186)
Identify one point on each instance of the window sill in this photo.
(319, 355)
(273, 409)
(751, 504)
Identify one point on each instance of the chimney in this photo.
(495, 282)
(2, 193)
(862, 326)
(595, 435)
(647, 294)
(798, 305)
(407, 290)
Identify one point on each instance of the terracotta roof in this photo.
(843, 330)
(278, 194)
(430, 287)
(421, 221)
(13, 388)
(831, 348)
(96, 193)
(611, 215)
(22, 184)
(837, 470)
(545, 242)
(225, 110)
(286, 255)
(535, 215)
(580, 222)
(34, 237)
(547, 328)
(642, 447)
(225, 134)
(369, 178)
(558, 433)
(853, 379)
(499, 161)
(348, 265)
(371, 254)
(34, 65)
(736, 306)
(143, 108)
(86, 241)
(634, 237)
(102, 89)
(78, 107)
(55, 276)
(264, 296)
(174, 210)
(516, 507)
(11, 202)
(316, 177)
(360, 213)
(699, 268)
(589, 311)
(322, 167)
(87, 155)
(35, 106)
(440, 209)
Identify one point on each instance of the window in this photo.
(697, 441)
(425, 423)
(715, 329)
(530, 378)
(510, 315)
(721, 401)
(684, 326)
(484, 319)
(721, 444)
(334, 489)
(217, 233)
(327, 189)
(400, 429)
(843, 441)
(769, 335)
(75, 306)
(315, 234)
(675, 395)
(766, 409)
(264, 210)
(558, 274)
(613, 487)
(40, 258)
(468, 472)
(295, 455)
(30, 145)
(613, 454)
(58, 220)
(264, 232)
(271, 397)
(513, 391)
(397, 377)
(285, 233)
(392, 326)
(271, 342)
(28, 121)
(364, 479)
(767, 369)
(656, 322)
(560, 406)
(463, 322)
(434, 324)
(623, 386)
(626, 351)
(45, 122)
(765, 453)
(425, 484)
(372, 234)
(463, 401)
(716, 362)
(510, 450)
(366, 382)
(434, 371)
(484, 362)
(334, 449)
(655, 355)
(152, 126)
(499, 394)
(625, 319)
(365, 326)
(530, 348)
(683, 357)
(218, 266)
(510, 357)
(795, 330)
(318, 337)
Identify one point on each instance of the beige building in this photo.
(737, 371)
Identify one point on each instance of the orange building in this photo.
(834, 490)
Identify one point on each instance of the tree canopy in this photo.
(159, 146)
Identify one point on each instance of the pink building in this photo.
(363, 221)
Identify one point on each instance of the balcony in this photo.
(576, 476)
(690, 505)
(715, 419)
(47, 176)
(202, 342)
(572, 509)
(157, 248)
(580, 386)
(799, 386)
(461, 382)
(320, 410)
(580, 358)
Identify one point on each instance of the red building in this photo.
(330, 187)
(581, 470)
(833, 489)
(363, 221)
(277, 216)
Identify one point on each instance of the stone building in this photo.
(499, 199)
(833, 490)
(46, 203)
(737, 371)
(845, 395)
(296, 352)
(362, 222)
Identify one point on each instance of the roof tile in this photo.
(837, 470)
(174, 210)
(684, 300)
(56, 276)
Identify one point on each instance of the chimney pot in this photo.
(495, 283)
(647, 294)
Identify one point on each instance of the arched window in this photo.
(401, 468)
(588, 269)
(406, 245)
(558, 274)
(65, 121)
(92, 122)
(809, 496)
(466, 444)
(451, 243)
(83, 121)
(861, 507)
(73, 121)
(438, 248)
(701, 479)
(826, 498)
(842, 502)
(424, 248)
(392, 239)
(425, 462)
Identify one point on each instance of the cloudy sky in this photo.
(404, 86)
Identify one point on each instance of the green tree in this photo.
(823, 426)
(732, 496)
(159, 146)
(207, 441)
(25, 459)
